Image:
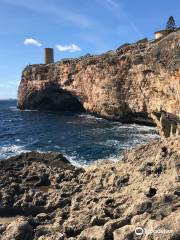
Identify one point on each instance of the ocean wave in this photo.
(28, 110)
(13, 108)
(75, 160)
(8, 120)
(133, 126)
(22, 110)
(11, 150)
(91, 117)
(13, 120)
(57, 147)
(110, 143)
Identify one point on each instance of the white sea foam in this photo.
(87, 116)
(8, 120)
(113, 158)
(13, 120)
(111, 143)
(74, 158)
(14, 109)
(133, 126)
(28, 110)
(73, 162)
(20, 110)
(11, 150)
(57, 147)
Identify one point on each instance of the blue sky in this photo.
(73, 28)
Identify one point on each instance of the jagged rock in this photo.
(2, 229)
(17, 230)
(124, 233)
(168, 125)
(105, 200)
(93, 233)
(27, 179)
(41, 217)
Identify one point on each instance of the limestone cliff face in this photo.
(138, 78)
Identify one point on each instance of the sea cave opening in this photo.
(56, 100)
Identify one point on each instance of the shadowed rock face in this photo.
(168, 125)
(134, 79)
(53, 99)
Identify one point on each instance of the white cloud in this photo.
(68, 48)
(31, 41)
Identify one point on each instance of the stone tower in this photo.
(48, 55)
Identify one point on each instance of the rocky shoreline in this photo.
(44, 197)
(48, 198)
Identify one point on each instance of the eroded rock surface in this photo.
(168, 125)
(128, 83)
(19, 229)
(107, 200)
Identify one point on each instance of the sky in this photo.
(73, 28)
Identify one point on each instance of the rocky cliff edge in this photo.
(127, 83)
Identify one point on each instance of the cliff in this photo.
(105, 201)
(132, 81)
(168, 125)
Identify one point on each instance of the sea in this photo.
(81, 137)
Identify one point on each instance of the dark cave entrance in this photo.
(56, 100)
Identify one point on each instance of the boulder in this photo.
(93, 233)
(18, 230)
